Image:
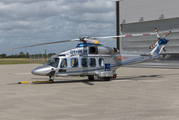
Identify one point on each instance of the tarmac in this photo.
(168, 64)
(136, 94)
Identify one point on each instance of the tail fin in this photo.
(159, 47)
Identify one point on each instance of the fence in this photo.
(39, 58)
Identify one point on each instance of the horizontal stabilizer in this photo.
(149, 55)
(167, 56)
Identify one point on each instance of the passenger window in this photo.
(74, 62)
(92, 62)
(63, 63)
(84, 62)
(101, 62)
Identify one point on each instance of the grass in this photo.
(4, 61)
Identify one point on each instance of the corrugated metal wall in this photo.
(146, 10)
(142, 44)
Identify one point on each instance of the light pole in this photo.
(45, 54)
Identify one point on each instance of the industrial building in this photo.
(142, 16)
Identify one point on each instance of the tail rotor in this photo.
(156, 31)
(155, 44)
(160, 42)
(166, 34)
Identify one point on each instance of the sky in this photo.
(29, 22)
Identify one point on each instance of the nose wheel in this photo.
(50, 79)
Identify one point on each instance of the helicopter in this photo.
(91, 59)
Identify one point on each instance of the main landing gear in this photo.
(91, 77)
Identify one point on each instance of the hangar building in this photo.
(142, 16)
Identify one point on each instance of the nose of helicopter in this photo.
(42, 70)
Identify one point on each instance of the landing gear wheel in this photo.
(51, 80)
(91, 77)
(106, 78)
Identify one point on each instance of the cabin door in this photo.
(107, 64)
(84, 65)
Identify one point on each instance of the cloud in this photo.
(26, 22)
(1, 40)
(21, 1)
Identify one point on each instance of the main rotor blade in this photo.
(44, 44)
(125, 35)
(91, 40)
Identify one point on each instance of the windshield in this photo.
(53, 62)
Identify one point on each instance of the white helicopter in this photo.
(92, 59)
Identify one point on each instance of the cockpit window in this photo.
(53, 62)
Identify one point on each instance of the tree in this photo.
(27, 55)
(21, 55)
(3, 55)
(15, 56)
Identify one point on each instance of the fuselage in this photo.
(85, 59)
(88, 59)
